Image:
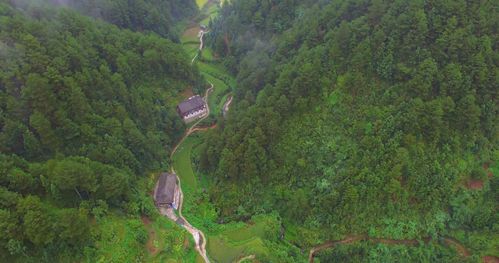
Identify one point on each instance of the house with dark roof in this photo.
(191, 109)
(166, 192)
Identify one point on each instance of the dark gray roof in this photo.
(190, 104)
(166, 188)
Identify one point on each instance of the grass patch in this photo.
(232, 241)
(217, 93)
(122, 239)
(223, 252)
(207, 54)
(481, 243)
(182, 164)
(171, 243)
(222, 101)
(201, 3)
(190, 35)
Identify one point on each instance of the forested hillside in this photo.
(375, 118)
(86, 111)
(159, 16)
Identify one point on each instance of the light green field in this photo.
(222, 101)
(215, 97)
(237, 240)
(201, 3)
(210, 12)
(191, 50)
(119, 239)
(224, 252)
(164, 235)
(207, 54)
(183, 166)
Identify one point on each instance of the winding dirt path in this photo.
(201, 44)
(461, 249)
(198, 235)
(193, 128)
(226, 106)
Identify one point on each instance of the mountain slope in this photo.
(85, 112)
(363, 117)
(142, 15)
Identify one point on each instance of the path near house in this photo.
(176, 216)
(461, 249)
(201, 45)
(193, 128)
(198, 235)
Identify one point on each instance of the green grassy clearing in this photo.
(183, 166)
(216, 94)
(217, 70)
(238, 239)
(482, 242)
(192, 53)
(223, 252)
(209, 11)
(207, 54)
(169, 239)
(222, 102)
(121, 239)
(206, 21)
(201, 3)
(190, 35)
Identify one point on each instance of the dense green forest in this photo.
(362, 117)
(368, 125)
(140, 15)
(87, 110)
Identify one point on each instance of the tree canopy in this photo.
(359, 117)
(86, 110)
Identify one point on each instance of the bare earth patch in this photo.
(146, 220)
(475, 184)
(490, 259)
(187, 93)
(486, 168)
(191, 33)
(460, 248)
(152, 236)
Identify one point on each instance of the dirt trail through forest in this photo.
(198, 235)
(201, 44)
(461, 249)
(226, 106)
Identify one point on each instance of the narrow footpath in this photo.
(201, 44)
(461, 249)
(226, 106)
(198, 235)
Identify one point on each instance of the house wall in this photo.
(195, 115)
(155, 192)
(176, 199)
